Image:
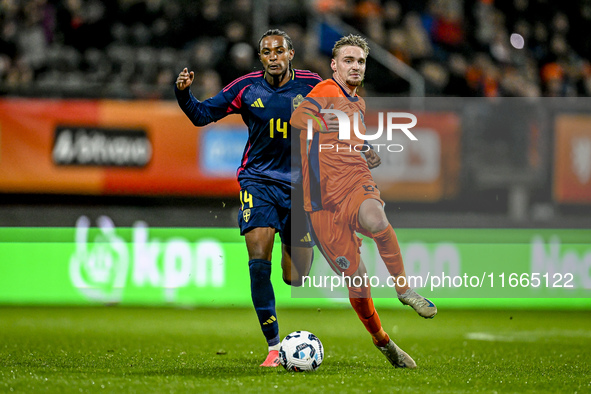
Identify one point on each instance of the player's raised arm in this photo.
(185, 79)
(204, 112)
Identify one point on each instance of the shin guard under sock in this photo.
(362, 303)
(263, 298)
(389, 249)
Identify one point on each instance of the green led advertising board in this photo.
(140, 265)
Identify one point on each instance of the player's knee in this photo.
(258, 252)
(372, 217)
(298, 269)
(295, 282)
(376, 223)
(292, 278)
(288, 281)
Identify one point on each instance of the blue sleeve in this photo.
(365, 141)
(202, 113)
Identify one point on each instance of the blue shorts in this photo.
(281, 208)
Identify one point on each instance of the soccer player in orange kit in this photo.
(341, 197)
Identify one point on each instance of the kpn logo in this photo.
(348, 122)
(106, 266)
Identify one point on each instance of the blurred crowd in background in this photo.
(135, 48)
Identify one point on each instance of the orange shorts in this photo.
(335, 230)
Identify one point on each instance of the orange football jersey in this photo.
(331, 167)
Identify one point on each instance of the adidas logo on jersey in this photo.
(258, 103)
(307, 238)
(270, 321)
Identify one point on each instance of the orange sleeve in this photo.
(317, 99)
(305, 111)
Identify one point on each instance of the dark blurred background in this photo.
(521, 161)
(130, 48)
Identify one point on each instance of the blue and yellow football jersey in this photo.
(266, 111)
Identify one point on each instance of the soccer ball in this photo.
(301, 351)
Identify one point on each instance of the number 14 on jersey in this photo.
(277, 125)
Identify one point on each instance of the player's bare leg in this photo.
(296, 262)
(259, 242)
(373, 219)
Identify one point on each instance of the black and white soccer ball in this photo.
(301, 351)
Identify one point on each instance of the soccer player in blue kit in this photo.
(270, 183)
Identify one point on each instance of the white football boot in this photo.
(420, 304)
(397, 357)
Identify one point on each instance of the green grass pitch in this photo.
(118, 349)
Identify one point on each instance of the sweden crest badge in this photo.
(296, 101)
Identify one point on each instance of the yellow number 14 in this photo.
(245, 198)
(280, 127)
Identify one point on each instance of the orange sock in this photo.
(368, 315)
(380, 338)
(389, 249)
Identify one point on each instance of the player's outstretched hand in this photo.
(185, 79)
(373, 159)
